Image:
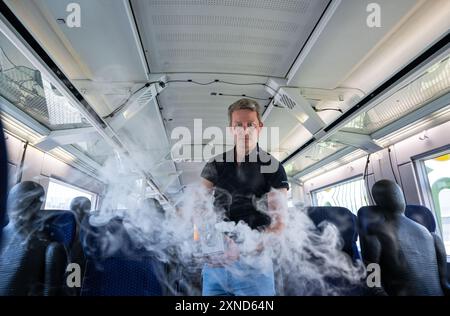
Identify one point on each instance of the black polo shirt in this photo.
(240, 191)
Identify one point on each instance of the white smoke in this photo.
(308, 261)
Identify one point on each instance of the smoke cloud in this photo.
(191, 232)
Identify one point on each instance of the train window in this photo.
(437, 171)
(351, 194)
(60, 194)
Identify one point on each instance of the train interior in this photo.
(111, 108)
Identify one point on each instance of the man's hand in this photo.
(230, 255)
(232, 251)
(276, 226)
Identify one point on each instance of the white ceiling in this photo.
(237, 41)
(346, 41)
(104, 43)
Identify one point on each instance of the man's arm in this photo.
(207, 184)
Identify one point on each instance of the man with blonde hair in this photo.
(244, 190)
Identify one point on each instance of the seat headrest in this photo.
(422, 215)
(110, 239)
(80, 205)
(339, 216)
(60, 226)
(25, 199)
(368, 216)
(343, 219)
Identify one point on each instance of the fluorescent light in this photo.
(62, 154)
(417, 128)
(18, 129)
(314, 154)
(431, 84)
(432, 120)
(335, 164)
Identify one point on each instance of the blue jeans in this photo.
(240, 279)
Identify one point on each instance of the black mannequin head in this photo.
(388, 195)
(24, 201)
(80, 206)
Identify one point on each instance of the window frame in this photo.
(95, 196)
(313, 193)
(423, 183)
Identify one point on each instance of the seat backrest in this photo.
(422, 215)
(30, 262)
(405, 251)
(104, 240)
(336, 284)
(60, 226)
(114, 266)
(121, 276)
(344, 220)
(31, 266)
(5, 220)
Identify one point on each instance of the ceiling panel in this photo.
(104, 42)
(347, 40)
(259, 37)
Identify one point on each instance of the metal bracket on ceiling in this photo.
(66, 137)
(136, 103)
(298, 106)
(361, 141)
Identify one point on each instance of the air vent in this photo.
(174, 53)
(223, 38)
(287, 101)
(145, 98)
(296, 105)
(300, 6)
(227, 21)
(139, 101)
